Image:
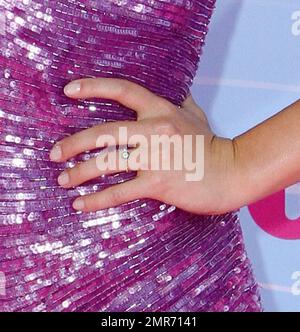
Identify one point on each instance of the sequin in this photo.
(144, 255)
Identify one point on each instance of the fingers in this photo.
(132, 95)
(112, 196)
(107, 162)
(127, 93)
(107, 134)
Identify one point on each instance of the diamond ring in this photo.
(125, 155)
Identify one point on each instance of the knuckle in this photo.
(73, 177)
(116, 196)
(69, 142)
(87, 85)
(166, 126)
(122, 89)
(78, 171)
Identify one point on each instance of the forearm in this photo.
(268, 155)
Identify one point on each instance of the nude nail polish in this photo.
(63, 178)
(72, 88)
(56, 153)
(78, 204)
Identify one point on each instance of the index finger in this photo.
(127, 93)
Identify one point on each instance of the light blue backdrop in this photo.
(250, 70)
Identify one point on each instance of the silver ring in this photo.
(125, 154)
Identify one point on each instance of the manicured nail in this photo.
(78, 204)
(72, 88)
(56, 153)
(63, 178)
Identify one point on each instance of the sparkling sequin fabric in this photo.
(141, 256)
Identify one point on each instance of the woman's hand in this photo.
(215, 192)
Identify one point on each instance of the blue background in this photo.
(249, 71)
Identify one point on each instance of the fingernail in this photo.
(72, 88)
(78, 204)
(56, 153)
(63, 178)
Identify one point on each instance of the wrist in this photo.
(249, 183)
(227, 172)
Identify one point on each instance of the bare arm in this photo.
(268, 155)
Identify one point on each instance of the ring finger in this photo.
(109, 161)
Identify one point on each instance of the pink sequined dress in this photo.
(140, 256)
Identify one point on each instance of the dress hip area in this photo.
(143, 255)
